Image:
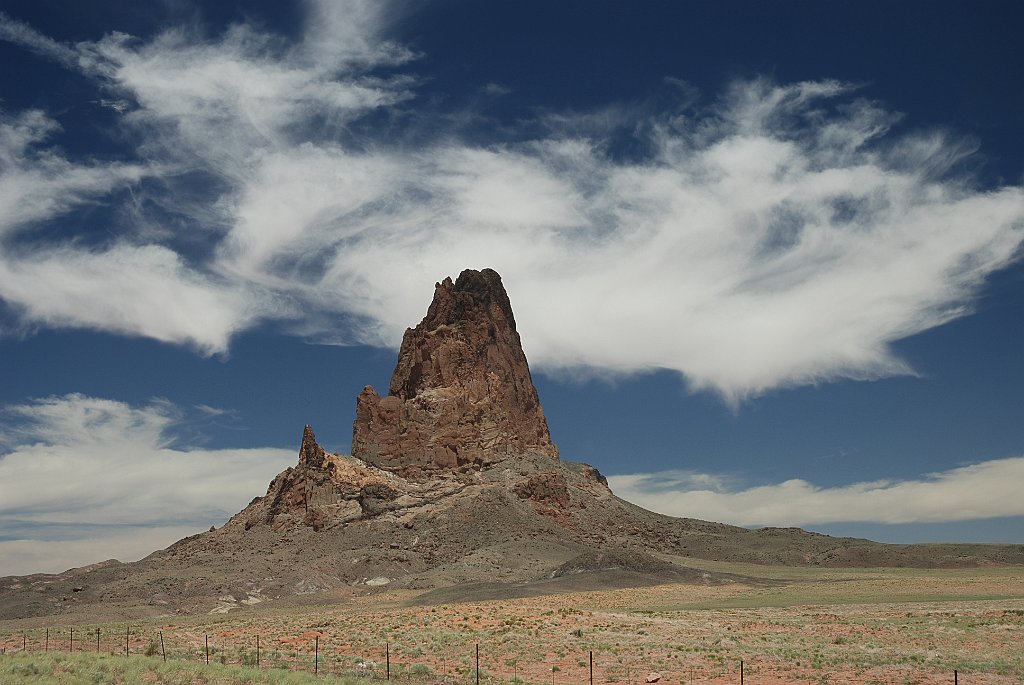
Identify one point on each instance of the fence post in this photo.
(316, 654)
(46, 646)
(71, 646)
(24, 642)
(207, 649)
(477, 663)
(163, 652)
(741, 671)
(591, 667)
(257, 650)
(127, 632)
(387, 657)
(956, 677)
(97, 639)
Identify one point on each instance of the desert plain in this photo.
(785, 625)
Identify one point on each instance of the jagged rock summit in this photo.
(461, 393)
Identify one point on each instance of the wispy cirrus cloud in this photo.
(84, 479)
(983, 490)
(20, 33)
(777, 235)
(39, 184)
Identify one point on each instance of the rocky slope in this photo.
(455, 489)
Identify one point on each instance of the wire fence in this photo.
(329, 653)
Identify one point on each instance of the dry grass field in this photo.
(807, 625)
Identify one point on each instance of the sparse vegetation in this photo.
(102, 669)
(864, 625)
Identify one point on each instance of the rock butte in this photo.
(461, 401)
(455, 489)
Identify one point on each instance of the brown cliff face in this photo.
(461, 392)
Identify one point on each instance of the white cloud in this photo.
(144, 290)
(103, 471)
(348, 33)
(41, 184)
(20, 33)
(124, 543)
(989, 489)
(780, 236)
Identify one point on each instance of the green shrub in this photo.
(26, 669)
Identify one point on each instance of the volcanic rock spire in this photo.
(310, 452)
(461, 392)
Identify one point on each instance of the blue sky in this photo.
(765, 258)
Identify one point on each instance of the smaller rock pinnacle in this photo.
(311, 453)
